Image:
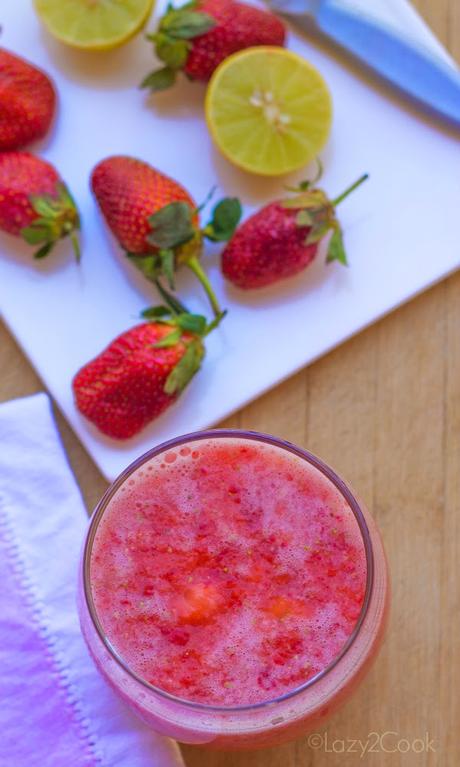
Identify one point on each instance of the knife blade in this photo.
(409, 66)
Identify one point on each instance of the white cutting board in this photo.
(401, 228)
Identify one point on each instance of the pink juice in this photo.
(228, 574)
(229, 584)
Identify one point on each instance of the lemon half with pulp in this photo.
(93, 24)
(268, 110)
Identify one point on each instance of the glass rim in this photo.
(255, 436)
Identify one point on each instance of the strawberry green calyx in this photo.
(225, 218)
(172, 42)
(178, 241)
(187, 328)
(57, 217)
(316, 212)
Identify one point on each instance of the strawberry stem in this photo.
(215, 322)
(176, 306)
(319, 171)
(350, 189)
(196, 268)
(76, 246)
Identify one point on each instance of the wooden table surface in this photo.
(384, 410)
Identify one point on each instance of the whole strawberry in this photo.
(198, 36)
(27, 102)
(283, 238)
(35, 204)
(142, 372)
(156, 221)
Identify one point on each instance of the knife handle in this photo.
(411, 67)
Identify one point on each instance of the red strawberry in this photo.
(129, 191)
(35, 204)
(156, 221)
(141, 373)
(283, 238)
(201, 34)
(27, 102)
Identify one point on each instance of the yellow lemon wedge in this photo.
(268, 110)
(93, 24)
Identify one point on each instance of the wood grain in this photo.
(384, 410)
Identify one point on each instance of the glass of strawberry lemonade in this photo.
(233, 590)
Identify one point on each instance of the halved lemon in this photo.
(268, 110)
(93, 24)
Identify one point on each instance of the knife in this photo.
(405, 64)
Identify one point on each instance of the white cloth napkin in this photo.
(55, 710)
